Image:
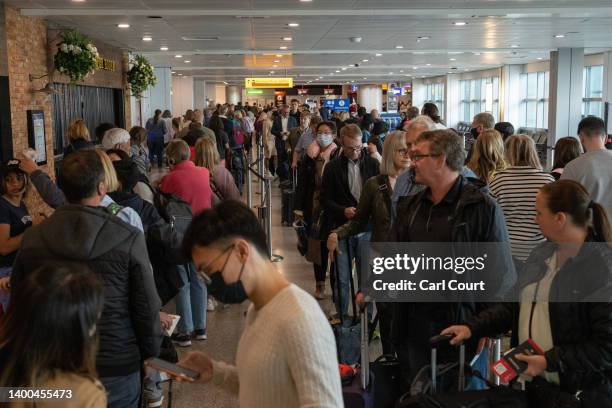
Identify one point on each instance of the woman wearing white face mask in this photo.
(307, 199)
(286, 356)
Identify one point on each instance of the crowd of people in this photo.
(82, 290)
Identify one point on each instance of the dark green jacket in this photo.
(374, 209)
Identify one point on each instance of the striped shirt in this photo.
(515, 190)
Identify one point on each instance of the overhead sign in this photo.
(397, 91)
(328, 91)
(268, 82)
(254, 91)
(337, 104)
(302, 91)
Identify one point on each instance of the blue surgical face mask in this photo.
(324, 139)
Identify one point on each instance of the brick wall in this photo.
(26, 48)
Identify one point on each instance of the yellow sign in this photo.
(268, 82)
(105, 64)
(385, 87)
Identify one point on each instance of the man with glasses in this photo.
(343, 180)
(449, 209)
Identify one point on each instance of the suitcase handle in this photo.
(440, 339)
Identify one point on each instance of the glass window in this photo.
(592, 103)
(435, 94)
(534, 99)
(479, 95)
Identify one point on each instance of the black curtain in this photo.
(95, 105)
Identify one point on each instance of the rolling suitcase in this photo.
(288, 201)
(496, 397)
(360, 392)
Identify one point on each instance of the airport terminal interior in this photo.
(306, 203)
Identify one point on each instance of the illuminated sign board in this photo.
(268, 82)
(302, 91)
(254, 91)
(105, 64)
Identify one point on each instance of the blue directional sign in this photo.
(337, 104)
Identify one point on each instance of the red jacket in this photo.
(190, 183)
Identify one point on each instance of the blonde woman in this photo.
(78, 137)
(111, 182)
(269, 142)
(488, 155)
(374, 209)
(515, 189)
(344, 116)
(221, 180)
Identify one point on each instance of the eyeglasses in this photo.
(207, 280)
(417, 157)
(352, 149)
(403, 152)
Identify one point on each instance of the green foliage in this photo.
(76, 56)
(140, 76)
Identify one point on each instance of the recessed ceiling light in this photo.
(452, 59)
(277, 61)
(466, 69)
(365, 60)
(459, 23)
(429, 65)
(378, 55)
(352, 80)
(344, 68)
(271, 72)
(514, 46)
(408, 75)
(337, 71)
(287, 39)
(476, 53)
(390, 73)
(415, 67)
(331, 73)
(365, 78)
(274, 66)
(293, 24)
(560, 36)
(187, 61)
(540, 58)
(305, 1)
(283, 47)
(279, 55)
(180, 74)
(123, 25)
(174, 72)
(423, 37)
(401, 70)
(163, 48)
(449, 72)
(147, 38)
(399, 47)
(178, 56)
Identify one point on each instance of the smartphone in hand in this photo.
(172, 369)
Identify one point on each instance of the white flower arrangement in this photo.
(76, 56)
(140, 76)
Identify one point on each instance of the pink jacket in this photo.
(190, 183)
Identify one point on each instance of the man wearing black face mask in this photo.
(284, 327)
(480, 123)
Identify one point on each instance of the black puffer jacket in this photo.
(164, 244)
(581, 330)
(129, 327)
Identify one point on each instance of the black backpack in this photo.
(173, 210)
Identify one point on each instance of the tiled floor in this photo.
(225, 324)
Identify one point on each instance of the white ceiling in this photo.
(244, 36)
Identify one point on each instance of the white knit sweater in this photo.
(286, 356)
